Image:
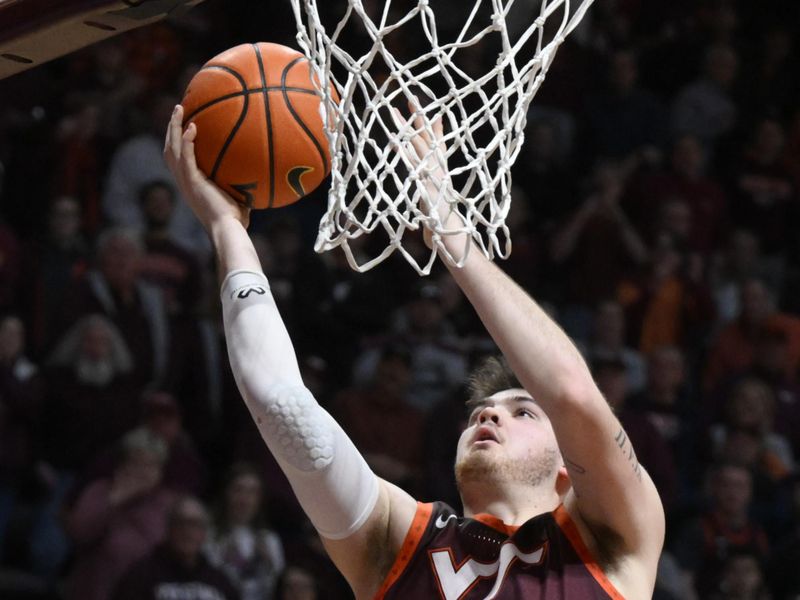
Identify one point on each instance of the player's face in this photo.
(508, 437)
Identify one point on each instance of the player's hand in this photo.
(428, 154)
(127, 484)
(210, 204)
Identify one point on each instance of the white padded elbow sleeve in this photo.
(330, 478)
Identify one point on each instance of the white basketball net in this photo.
(375, 183)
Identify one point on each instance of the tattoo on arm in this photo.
(626, 447)
(573, 466)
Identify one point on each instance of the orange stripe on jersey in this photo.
(570, 530)
(410, 543)
(496, 523)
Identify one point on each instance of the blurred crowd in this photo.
(655, 215)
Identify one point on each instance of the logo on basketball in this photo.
(246, 190)
(294, 179)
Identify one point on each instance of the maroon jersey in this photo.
(455, 558)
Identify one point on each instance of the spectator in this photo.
(672, 583)
(332, 302)
(686, 184)
(196, 371)
(177, 568)
(668, 304)
(751, 410)
(705, 108)
(305, 551)
(666, 402)
(21, 390)
(240, 542)
(437, 361)
(742, 578)
(771, 365)
(184, 471)
(733, 347)
(704, 544)
(739, 262)
(92, 400)
(166, 264)
(52, 265)
(596, 247)
(548, 182)
(116, 289)
(386, 430)
(80, 156)
(525, 263)
(137, 162)
(296, 583)
(625, 122)
(770, 73)
(117, 521)
(608, 342)
(763, 193)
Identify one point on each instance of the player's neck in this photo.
(512, 503)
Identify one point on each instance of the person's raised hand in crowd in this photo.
(136, 476)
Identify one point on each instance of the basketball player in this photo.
(555, 502)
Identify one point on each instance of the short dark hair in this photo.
(156, 184)
(492, 375)
(398, 352)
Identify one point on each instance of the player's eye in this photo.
(526, 413)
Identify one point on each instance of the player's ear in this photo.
(563, 482)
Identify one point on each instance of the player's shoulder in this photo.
(630, 572)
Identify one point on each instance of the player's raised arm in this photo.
(346, 502)
(611, 493)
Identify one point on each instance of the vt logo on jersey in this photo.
(455, 580)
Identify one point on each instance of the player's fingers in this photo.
(438, 128)
(417, 120)
(168, 139)
(397, 117)
(400, 122)
(418, 138)
(187, 149)
(172, 143)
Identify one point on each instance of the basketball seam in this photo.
(234, 131)
(305, 128)
(269, 127)
(247, 92)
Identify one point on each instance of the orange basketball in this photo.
(259, 130)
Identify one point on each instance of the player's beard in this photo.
(488, 468)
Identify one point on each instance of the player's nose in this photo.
(489, 413)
